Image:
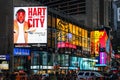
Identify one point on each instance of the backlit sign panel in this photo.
(21, 52)
(73, 62)
(95, 42)
(4, 65)
(102, 59)
(87, 64)
(66, 45)
(98, 40)
(5, 57)
(30, 24)
(4, 62)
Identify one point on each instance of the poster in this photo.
(30, 24)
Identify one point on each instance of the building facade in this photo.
(68, 41)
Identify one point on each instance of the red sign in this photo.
(66, 45)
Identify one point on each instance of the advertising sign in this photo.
(21, 52)
(87, 64)
(4, 65)
(66, 45)
(103, 57)
(4, 62)
(95, 42)
(73, 62)
(30, 24)
(5, 57)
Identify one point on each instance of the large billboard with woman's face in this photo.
(30, 24)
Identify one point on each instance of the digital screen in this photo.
(73, 61)
(4, 65)
(30, 24)
(5, 57)
(103, 57)
(21, 52)
(87, 64)
(66, 45)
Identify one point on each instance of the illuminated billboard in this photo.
(21, 52)
(66, 45)
(30, 24)
(4, 65)
(98, 40)
(87, 64)
(73, 62)
(102, 59)
(103, 39)
(4, 62)
(95, 42)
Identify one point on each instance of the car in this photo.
(21, 75)
(87, 75)
(44, 76)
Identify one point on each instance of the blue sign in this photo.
(21, 52)
(5, 57)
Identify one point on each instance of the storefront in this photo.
(41, 62)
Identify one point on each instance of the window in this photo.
(87, 74)
(92, 74)
(81, 73)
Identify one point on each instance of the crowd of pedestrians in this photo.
(52, 76)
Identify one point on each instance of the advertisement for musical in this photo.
(30, 24)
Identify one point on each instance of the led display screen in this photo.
(73, 62)
(30, 24)
(4, 62)
(98, 40)
(102, 59)
(21, 52)
(87, 64)
(95, 42)
(5, 57)
(4, 65)
(66, 45)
